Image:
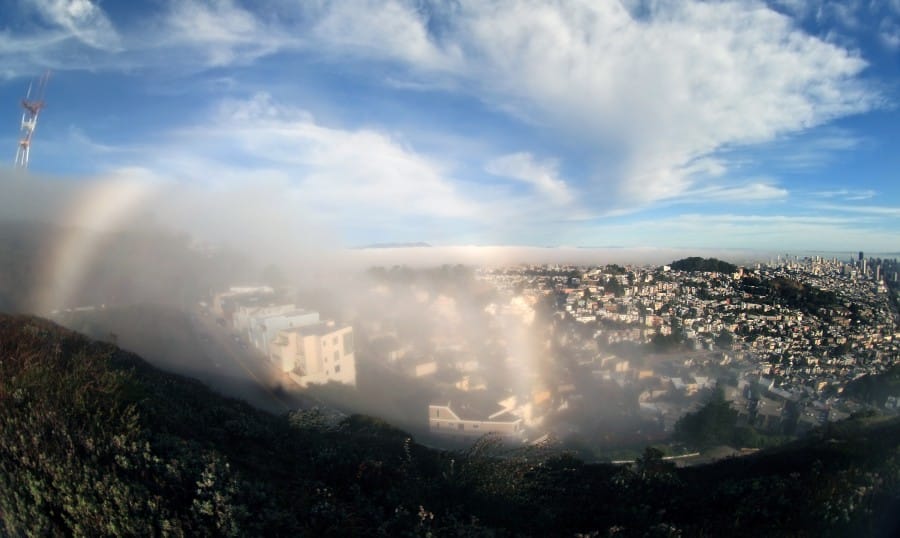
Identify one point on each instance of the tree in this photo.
(651, 464)
(612, 284)
(724, 340)
(712, 424)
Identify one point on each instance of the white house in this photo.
(466, 420)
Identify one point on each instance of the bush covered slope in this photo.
(93, 442)
(696, 263)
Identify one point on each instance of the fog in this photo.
(131, 258)
(258, 221)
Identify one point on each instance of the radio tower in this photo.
(32, 106)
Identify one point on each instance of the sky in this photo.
(660, 123)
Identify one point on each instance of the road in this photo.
(241, 371)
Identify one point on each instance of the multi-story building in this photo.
(316, 354)
(263, 329)
(224, 303)
(240, 319)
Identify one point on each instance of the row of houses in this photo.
(304, 347)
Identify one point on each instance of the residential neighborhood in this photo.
(605, 353)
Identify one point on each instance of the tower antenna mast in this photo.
(32, 106)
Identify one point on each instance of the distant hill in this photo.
(706, 265)
(94, 441)
(791, 293)
(394, 245)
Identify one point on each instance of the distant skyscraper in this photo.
(860, 255)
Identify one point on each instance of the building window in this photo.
(337, 356)
(334, 341)
(437, 413)
(337, 369)
(460, 426)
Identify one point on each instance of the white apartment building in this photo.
(263, 329)
(240, 319)
(316, 354)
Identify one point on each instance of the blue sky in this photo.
(764, 125)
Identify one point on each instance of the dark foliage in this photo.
(796, 295)
(95, 442)
(875, 388)
(705, 265)
(712, 424)
(716, 424)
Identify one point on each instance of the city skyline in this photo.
(754, 125)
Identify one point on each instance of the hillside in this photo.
(177, 342)
(707, 265)
(94, 441)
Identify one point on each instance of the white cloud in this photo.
(764, 232)
(889, 32)
(662, 91)
(82, 19)
(182, 36)
(847, 194)
(543, 176)
(750, 192)
(222, 31)
(655, 97)
(388, 29)
(883, 211)
(57, 35)
(342, 177)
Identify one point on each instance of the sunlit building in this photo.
(264, 328)
(316, 354)
(469, 420)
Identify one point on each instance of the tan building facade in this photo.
(316, 354)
